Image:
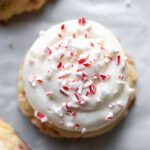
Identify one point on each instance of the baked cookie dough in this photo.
(76, 80)
(8, 138)
(9, 8)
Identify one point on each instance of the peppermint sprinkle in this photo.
(109, 117)
(66, 88)
(59, 35)
(92, 89)
(76, 98)
(74, 35)
(67, 107)
(121, 77)
(49, 93)
(104, 77)
(81, 61)
(62, 27)
(48, 51)
(92, 44)
(118, 60)
(82, 21)
(40, 116)
(64, 92)
(74, 114)
(39, 79)
(59, 65)
(34, 79)
(87, 63)
(77, 126)
(87, 83)
(86, 35)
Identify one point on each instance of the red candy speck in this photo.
(77, 97)
(67, 107)
(77, 126)
(92, 89)
(92, 44)
(74, 114)
(81, 61)
(59, 65)
(62, 92)
(118, 60)
(66, 88)
(103, 77)
(82, 21)
(40, 115)
(48, 51)
(74, 35)
(62, 27)
(86, 35)
(59, 35)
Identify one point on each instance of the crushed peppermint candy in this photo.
(40, 116)
(62, 27)
(82, 21)
(49, 93)
(77, 126)
(109, 116)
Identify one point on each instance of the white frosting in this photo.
(75, 76)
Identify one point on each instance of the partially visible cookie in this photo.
(8, 138)
(9, 8)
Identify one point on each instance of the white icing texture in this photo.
(75, 76)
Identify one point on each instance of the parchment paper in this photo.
(129, 21)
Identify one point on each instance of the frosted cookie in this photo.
(76, 80)
(8, 138)
(9, 8)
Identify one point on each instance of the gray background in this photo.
(130, 24)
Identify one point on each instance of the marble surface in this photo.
(129, 20)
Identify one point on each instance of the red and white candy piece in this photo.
(76, 98)
(109, 117)
(48, 51)
(77, 126)
(121, 77)
(92, 89)
(34, 79)
(65, 91)
(118, 59)
(104, 77)
(40, 116)
(82, 21)
(49, 93)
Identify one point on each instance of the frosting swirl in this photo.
(75, 76)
